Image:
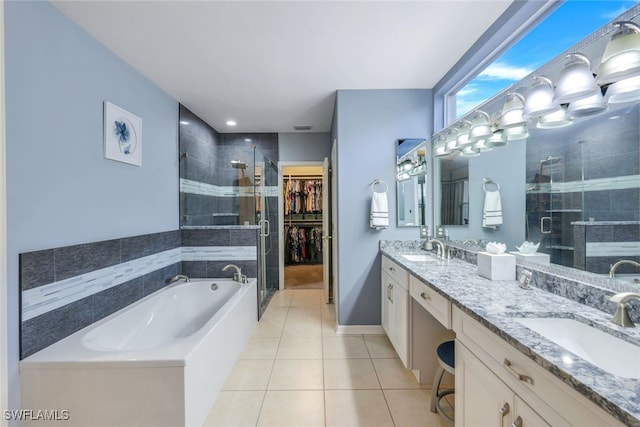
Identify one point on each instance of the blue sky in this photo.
(567, 25)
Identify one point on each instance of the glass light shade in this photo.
(480, 126)
(439, 148)
(403, 176)
(576, 80)
(594, 104)
(469, 151)
(627, 90)
(405, 166)
(555, 120)
(452, 135)
(498, 139)
(513, 118)
(483, 145)
(621, 58)
(539, 99)
(516, 133)
(462, 140)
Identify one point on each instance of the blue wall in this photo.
(367, 125)
(60, 189)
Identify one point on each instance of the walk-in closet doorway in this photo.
(305, 244)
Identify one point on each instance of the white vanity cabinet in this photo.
(496, 385)
(395, 307)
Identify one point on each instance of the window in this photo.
(564, 27)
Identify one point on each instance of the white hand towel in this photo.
(492, 213)
(379, 211)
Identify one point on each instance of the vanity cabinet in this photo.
(496, 385)
(395, 307)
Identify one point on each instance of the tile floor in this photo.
(295, 371)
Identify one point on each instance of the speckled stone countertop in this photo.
(495, 304)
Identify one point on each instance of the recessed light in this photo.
(184, 122)
(247, 140)
(231, 123)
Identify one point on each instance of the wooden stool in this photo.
(446, 360)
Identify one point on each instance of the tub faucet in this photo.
(614, 267)
(237, 276)
(179, 277)
(621, 316)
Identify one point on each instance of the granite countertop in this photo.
(495, 304)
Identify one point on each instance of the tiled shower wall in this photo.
(66, 289)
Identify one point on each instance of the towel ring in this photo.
(490, 181)
(382, 183)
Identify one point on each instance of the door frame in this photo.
(4, 388)
(281, 166)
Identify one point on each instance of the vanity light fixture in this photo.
(451, 141)
(621, 58)
(557, 119)
(513, 112)
(403, 176)
(516, 133)
(439, 148)
(589, 106)
(539, 99)
(480, 126)
(626, 90)
(576, 80)
(498, 139)
(405, 165)
(470, 151)
(462, 139)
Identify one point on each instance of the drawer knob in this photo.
(425, 296)
(392, 269)
(517, 422)
(505, 409)
(518, 375)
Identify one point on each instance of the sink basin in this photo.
(419, 258)
(597, 347)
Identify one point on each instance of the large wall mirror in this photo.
(570, 180)
(454, 190)
(411, 182)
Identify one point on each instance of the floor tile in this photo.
(249, 375)
(380, 347)
(345, 347)
(296, 375)
(267, 328)
(235, 409)
(303, 328)
(277, 314)
(350, 374)
(281, 299)
(393, 375)
(298, 408)
(300, 348)
(260, 348)
(356, 408)
(328, 328)
(410, 408)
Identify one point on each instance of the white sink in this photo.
(599, 348)
(419, 258)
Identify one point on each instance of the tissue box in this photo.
(537, 257)
(497, 267)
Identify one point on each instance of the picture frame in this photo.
(122, 135)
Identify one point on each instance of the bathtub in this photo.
(158, 362)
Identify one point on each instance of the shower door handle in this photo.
(542, 221)
(266, 228)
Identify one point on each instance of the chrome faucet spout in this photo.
(428, 245)
(621, 316)
(614, 267)
(237, 276)
(179, 277)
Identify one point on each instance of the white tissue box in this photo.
(497, 267)
(537, 257)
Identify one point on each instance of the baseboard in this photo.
(359, 330)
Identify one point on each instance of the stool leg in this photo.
(436, 385)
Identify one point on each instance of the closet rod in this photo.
(302, 176)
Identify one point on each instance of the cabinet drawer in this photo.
(437, 305)
(395, 271)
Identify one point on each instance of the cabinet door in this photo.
(482, 400)
(525, 416)
(400, 322)
(387, 304)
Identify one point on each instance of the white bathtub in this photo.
(159, 362)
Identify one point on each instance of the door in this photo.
(326, 233)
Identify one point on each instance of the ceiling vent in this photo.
(303, 127)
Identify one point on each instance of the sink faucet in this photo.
(179, 277)
(428, 245)
(237, 276)
(621, 316)
(614, 267)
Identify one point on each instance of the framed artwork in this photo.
(122, 135)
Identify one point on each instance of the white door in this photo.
(326, 232)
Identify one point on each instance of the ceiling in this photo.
(273, 65)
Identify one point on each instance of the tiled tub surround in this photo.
(496, 303)
(600, 244)
(66, 289)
